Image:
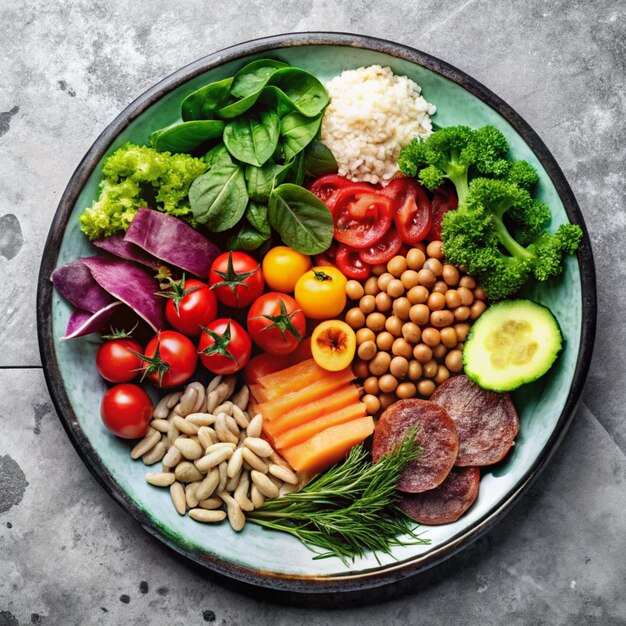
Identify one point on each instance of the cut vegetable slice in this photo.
(321, 406)
(84, 323)
(76, 284)
(258, 392)
(292, 379)
(118, 246)
(328, 447)
(300, 434)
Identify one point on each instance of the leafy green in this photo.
(261, 180)
(186, 136)
(217, 154)
(202, 104)
(247, 238)
(302, 220)
(306, 93)
(319, 160)
(218, 197)
(297, 132)
(256, 214)
(253, 137)
(254, 76)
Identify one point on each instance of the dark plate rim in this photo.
(291, 583)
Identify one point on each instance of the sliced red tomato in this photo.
(350, 263)
(327, 258)
(412, 209)
(383, 250)
(444, 200)
(362, 215)
(326, 188)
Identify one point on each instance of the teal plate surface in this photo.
(269, 558)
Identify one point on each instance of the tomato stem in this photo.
(221, 343)
(177, 291)
(231, 278)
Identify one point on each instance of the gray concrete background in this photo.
(68, 554)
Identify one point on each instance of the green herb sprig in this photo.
(349, 509)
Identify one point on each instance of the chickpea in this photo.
(448, 337)
(367, 304)
(397, 265)
(367, 351)
(383, 302)
(477, 309)
(360, 369)
(469, 282)
(363, 335)
(454, 361)
(422, 353)
(450, 275)
(442, 374)
(355, 318)
(426, 387)
(409, 278)
(401, 347)
(354, 290)
(379, 269)
(479, 294)
(379, 365)
(415, 258)
(421, 246)
(371, 286)
(415, 370)
(419, 314)
(429, 369)
(435, 249)
(399, 366)
(401, 308)
(436, 301)
(388, 383)
(461, 331)
(440, 287)
(386, 399)
(426, 278)
(467, 297)
(375, 321)
(370, 384)
(418, 295)
(440, 319)
(439, 352)
(406, 390)
(393, 325)
(431, 337)
(453, 299)
(383, 281)
(461, 313)
(411, 332)
(384, 341)
(434, 265)
(395, 288)
(372, 403)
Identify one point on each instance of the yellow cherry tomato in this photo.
(282, 267)
(333, 344)
(321, 292)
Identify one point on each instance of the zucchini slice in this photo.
(512, 343)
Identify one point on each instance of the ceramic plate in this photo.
(268, 558)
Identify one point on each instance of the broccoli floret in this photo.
(522, 174)
(131, 176)
(451, 153)
(478, 236)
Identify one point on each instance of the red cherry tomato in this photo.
(412, 209)
(126, 411)
(276, 323)
(383, 250)
(350, 263)
(170, 359)
(362, 215)
(444, 200)
(263, 364)
(116, 363)
(326, 188)
(191, 304)
(236, 278)
(224, 346)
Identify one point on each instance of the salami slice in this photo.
(435, 434)
(486, 421)
(446, 503)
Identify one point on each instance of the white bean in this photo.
(156, 454)
(206, 488)
(208, 517)
(214, 458)
(264, 484)
(172, 457)
(161, 479)
(259, 446)
(255, 426)
(235, 515)
(254, 461)
(177, 493)
(146, 444)
(235, 463)
(282, 473)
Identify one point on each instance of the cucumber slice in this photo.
(512, 343)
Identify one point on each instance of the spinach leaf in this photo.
(319, 160)
(256, 214)
(239, 107)
(261, 180)
(217, 154)
(297, 132)
(252, 138)
(218, 198)
(305, 91)
(186, 136)
(296, 172)
(254, 76)
(246, 239)
(203, 103)
(302, 220)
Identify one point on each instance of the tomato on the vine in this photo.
(170, 359)
(351, 264)
(190, 304)
(236, 278)
(117, 360)
(126, 411)
(224, 346)
(384, 249)
(276, 323)
(412, 209)
(326, 188)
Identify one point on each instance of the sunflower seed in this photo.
(254, 461)
(172, 457)
(206, 436)
(177, 493)
(241, 493)
(212, 401)
(235, 462)
(156, 454)
(201, 419)
(214, 458)
(208, 517)
(200, 396)
(172, 434)
(190, 495)
(256, 497)
(264, 484)
(240, 417)
(211, 503)
(233, 482)
(162, 425)
(208, 485)
(225, 407)
(222, 430)
(255, 426)
(184, 426)
(259, 446)
(235, 515)
(282, 473)
(223, 476)
(161, 409)
(231, 424)
(146, 444)
(161, 479)
(219, 445)
(187, 401)
(189, 448)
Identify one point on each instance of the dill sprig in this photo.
(349, 509)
